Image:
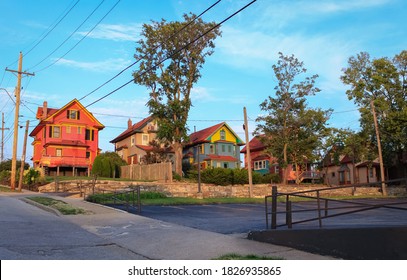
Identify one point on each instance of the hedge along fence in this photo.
(148, 172)
(226, 177)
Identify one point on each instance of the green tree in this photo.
(171, 56)
(157, 154)
(6, 165)
(383, 81)
(290, 130)
(107, 164)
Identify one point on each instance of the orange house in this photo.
(65, 140)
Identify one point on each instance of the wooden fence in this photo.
(150, 172)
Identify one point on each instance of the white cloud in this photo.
(201, 94)
(99, 66)
(115, 32)
(279, 14)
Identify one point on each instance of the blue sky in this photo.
(323, 34)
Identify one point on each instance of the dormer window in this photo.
(72, 114)
(222, 135)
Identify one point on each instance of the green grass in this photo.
(4, 189)
(234, 256)
(63, 207)
(156, 198)
(50, 179)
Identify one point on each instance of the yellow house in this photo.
(215, 146)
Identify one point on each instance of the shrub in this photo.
(31, 176)
(217, 176)
(5, 176)
(107, 165)
(240, 177)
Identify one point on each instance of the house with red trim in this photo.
(264, 163)
(215, 146)
(261, 161)
(133, 144)
(65, 140)
(342, 169)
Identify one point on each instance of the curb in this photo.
(41, 206)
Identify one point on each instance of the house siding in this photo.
(60, 142)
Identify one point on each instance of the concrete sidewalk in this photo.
(154, 239)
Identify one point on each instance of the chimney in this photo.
(44, 110)
(129, 124)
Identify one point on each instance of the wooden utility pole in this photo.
(2, 136)
(249, 160)
(379, 149)
(16, 112)
(20, 181)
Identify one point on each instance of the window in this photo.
(144, 140)
(58, 152)
(133, 140)
(89, 135)
(260, 164)
(229, 149)
(68, 129)
(223, 148)
(79, 130)
(225, 165)
(211, 149)
(54, 132)
(333, 174)
(87, 154)
(222, 135)
(72, 114)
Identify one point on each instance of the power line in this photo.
(86, 35)
(50, 30)
(134, 63)
(80, 25)
(176, 52)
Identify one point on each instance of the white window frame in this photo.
(260, 164)
(143, 140)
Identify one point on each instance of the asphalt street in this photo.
(30, 232)
(243, 218)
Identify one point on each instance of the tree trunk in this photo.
(284, 179)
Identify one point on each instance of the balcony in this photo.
(54, 161)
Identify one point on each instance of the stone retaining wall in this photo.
(179, 189)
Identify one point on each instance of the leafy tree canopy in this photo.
(292, 131)
(171, 55)
(383, 81)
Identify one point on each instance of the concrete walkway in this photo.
(158, 240)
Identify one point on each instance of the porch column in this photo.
(58, 170)
(73, 171)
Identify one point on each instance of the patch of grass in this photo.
(4, 189)
(63, 207)
(50, 179)
(234, 256)
(157, 198)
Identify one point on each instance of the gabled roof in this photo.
(51, 113)
(255, 145)
(132, 130)
(204, 135)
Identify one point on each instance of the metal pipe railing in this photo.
(323, 212)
